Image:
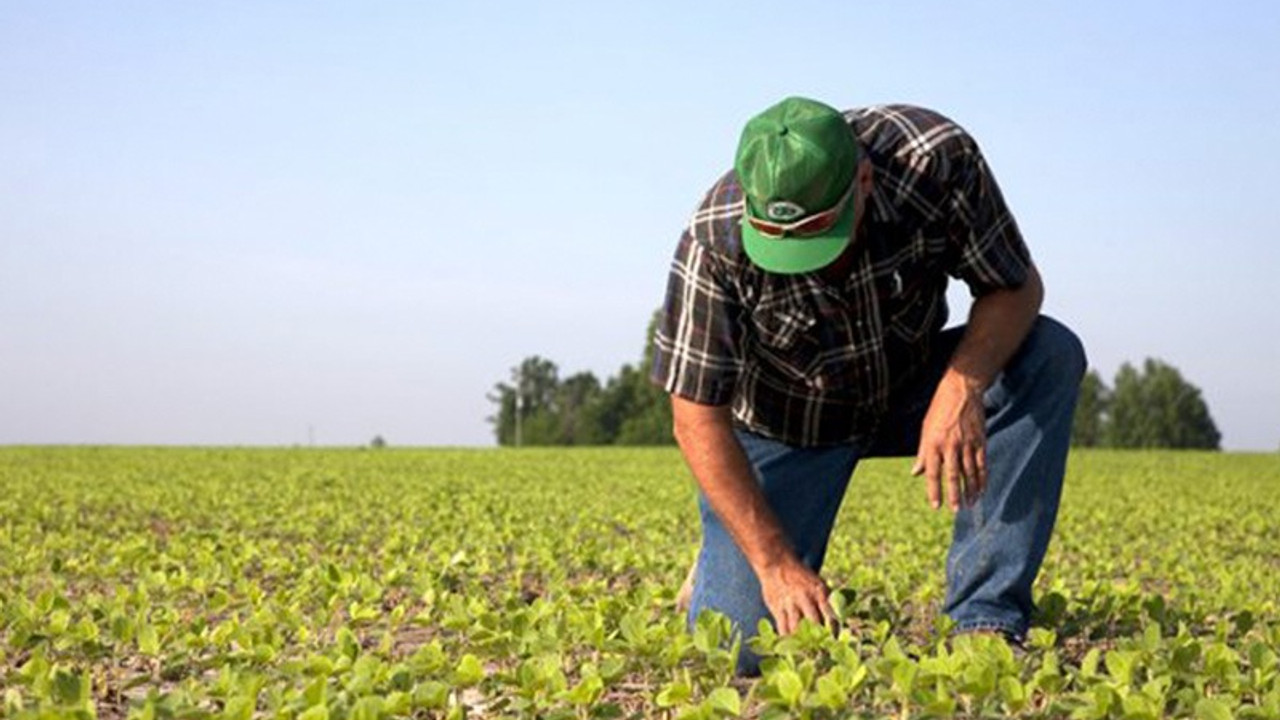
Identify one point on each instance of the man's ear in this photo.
(864, 175)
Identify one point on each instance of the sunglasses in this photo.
(814, 224)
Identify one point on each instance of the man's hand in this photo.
(793, 592)
(953, 439)
(953, 443)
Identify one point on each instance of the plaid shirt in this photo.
(809, 362)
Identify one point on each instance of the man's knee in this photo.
(1057, 351)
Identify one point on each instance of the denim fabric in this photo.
(997, 545)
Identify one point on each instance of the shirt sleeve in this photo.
(990, 253)
(696, 344)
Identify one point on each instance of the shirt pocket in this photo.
(913, 296)
(913, 316)
(793, 342)
(783, 332)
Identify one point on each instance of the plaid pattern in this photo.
(810, 362)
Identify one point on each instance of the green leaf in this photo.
(1185, 656)
(612, 668)
(633, 626)
(316, 691)
(1120, 665)
(69, 688)
(843, 602)
(776, 713)
(148, 711)
(904, 677)
(360, 614)
(1140, 707)
(674, 693)
(348, 645)
(586, 692)
(148, 641)
(239, 707)
(401, 678)
(1261, 657)
(830, 691)
(367, 708)
(1042, 638)
(1244, 621)
(13, 703)
(431, 695)
(1151, 637)
(1013, 693)
(766, 638)
(1089, 665)
(469, 671)
(607, 711)
(725, 701)
(941, 705)
(398, 703)
(789, 686)
(1211, 709)
(315, 712)
(696, 712)
(59, 620)
(319, 665)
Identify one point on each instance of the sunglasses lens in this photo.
(764, 227)
(809, 226)
(816, 224)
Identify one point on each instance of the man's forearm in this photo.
(998, 323)
(953, 434)
(706, 438)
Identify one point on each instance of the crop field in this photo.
(327, 584)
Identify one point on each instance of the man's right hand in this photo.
(793, 592)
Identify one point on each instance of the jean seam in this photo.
(1011, 629)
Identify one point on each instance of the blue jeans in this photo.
(997, 544)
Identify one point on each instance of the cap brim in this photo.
(790, 255)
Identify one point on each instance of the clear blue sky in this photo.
(229, 222)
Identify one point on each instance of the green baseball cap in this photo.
(796, 163)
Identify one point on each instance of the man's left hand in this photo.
(953, 443)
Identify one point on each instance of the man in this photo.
(802, 331)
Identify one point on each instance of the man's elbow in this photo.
(691, 422)
(1034, 288)
(1028, 295)
(677, 430)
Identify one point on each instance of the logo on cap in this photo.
(783, 210)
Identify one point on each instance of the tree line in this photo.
(1151, 406)
(538, 407)
(1148, 407)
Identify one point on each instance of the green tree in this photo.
(644, 409)
(627, 409)
(632, 411)
(576, 396)
(1156, 407)
(1089, 423)
(534, 391)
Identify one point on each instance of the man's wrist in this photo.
(971, 382)
(775, 556)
